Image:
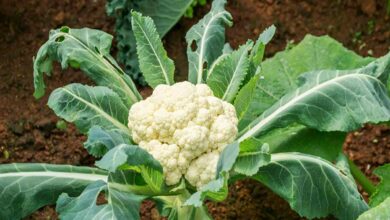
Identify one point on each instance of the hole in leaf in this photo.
(60, 39)
(64, 29)
(205, 65)
(194, 46)
(101, 199)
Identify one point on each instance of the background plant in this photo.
(337, 91)
(165, 14)
(190, 10)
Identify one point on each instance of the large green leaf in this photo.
(298, 138)
(101, 140)
(279, 74)
(312, 186)
(331, 100)
(226, 74)
(87, 106)
(382, 190)
(88, 50)
(120, 204)
(206, 39)
(380, 212)
(154, 62)
(165, 14)
(27, 187)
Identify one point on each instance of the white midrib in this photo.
(296, 99)
(234, 74)
(132, 95)
(280, 157)
(200, 63)
(158, 58)
(98, 110)
(62, 175)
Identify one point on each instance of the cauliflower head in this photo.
(185, 127)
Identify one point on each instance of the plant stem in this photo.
(362, 179)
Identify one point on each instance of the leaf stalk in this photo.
(361, 178)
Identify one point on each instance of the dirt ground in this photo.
(28, 130)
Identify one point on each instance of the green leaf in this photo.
(257, 53)
(217, 190)
(88, 50)
(298, 138)
(279, 74)
(87, 106)
(206, 39)
(312, 186)
(101, 140)
(28, 187)
(249, 161)
(120, 204)
(244, 103)
(382, 190)
(380, 212)
(331, 100)
(135, 158)
(313, 53)
(258, 50)
(165, 14)
(131, 155)
(155, 65)
(226, 75)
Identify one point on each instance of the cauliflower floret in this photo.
(168, 156)
(185, 128)
(202, 170)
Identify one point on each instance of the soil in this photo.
(28, 131)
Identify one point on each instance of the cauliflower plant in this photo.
(185, 127)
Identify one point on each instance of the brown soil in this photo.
(28, 130)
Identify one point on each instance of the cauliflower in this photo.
(185, 128)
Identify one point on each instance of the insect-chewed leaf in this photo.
(331, 100)
(206, 39)
(382, 190)
(28, 187)
(88, 50)
(279, 74)
(379, 212)
(154, 62)
(101, 140)
(120, 204)
(135, 158)
(226, 74)
(314, 187)
(87, 106)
